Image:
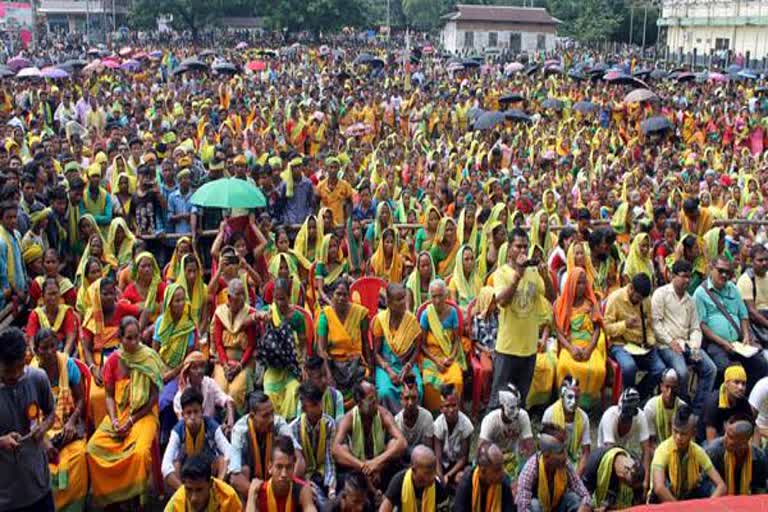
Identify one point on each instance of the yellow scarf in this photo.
(301, 244)
(174, 336)
(492, 495)
(126, 247)
(197, 292)
(315, 459)
(223, 498)
(745, 480)
(722, 400)
(408, 495)
(272, 502)
(42, 318)
(437, 330)
(664, 420)
(358, 436)
(194, 445)
(675, 471)
(625, 495)
(558, 418)
(232, 336)
(274, 270)
(402, 341)
(149, 301)
(95, 206)
(260, 469)
(174, 266)
(466, 288)
(549, 501)
(146, 368)
(393, 273)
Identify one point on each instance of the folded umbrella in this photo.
(229, 193)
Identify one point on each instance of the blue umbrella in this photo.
(657, 124)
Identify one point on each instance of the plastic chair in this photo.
(309, 329)
(618, 385)
(368, 289)
(85, 378)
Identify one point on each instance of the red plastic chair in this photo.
(617, 385)
(85, 378)
(368, 289)
(309, 329)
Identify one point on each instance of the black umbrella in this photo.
(553, 70)
(642, 73)
(517, 116)
(225, 68)
(194, 63)
(512, 97)
(530, 70)
(659, 74)
(474, 113)
(343, 75)
(685, 77)
(553, 104)
(179, 70)
(761, 90)
(598, 69)
(470, 63)
(6, 72)
(656, 124)
(207, 53)
(585, 107)
(76, 63)
(489, 120)
(577, 74)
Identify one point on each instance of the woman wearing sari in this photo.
(330, 269)
(493, 238)
(418, 281)
(387, 262)
(234, 336)
(444, 248)
(173, 268)
(541, 236)
(92, 272)
(119, 452)
(280, 268)
(579, 255)
(69, 474)
(147, 288)
(100, 326)
(466, 281)
(639, 259)
(55, 316)
(467, 228)
(549, 204)
(714, 245)
(120, 240)
(442, 356)
(397, 343)
(581, 341)
(191, 279)
(382, 221)
(97, 248)
(51, 270)
(340, 329)
(309, 239)
(281, 385)
(175, 336)
(426, 235)
(232, 265)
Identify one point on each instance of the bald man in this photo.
(416, 488)
(491, 476)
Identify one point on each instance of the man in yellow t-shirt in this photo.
(679, 464)
(524, 294)
(335, 194)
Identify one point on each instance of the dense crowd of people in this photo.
(452, 263)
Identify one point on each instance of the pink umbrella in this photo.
(18, 63)
(141, 55)
(256, 65)
(94, 67)
(717, 77)
(513, 67)
(125, 51)
(111, 64)
(242, 45)
(357, 129)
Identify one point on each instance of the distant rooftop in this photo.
(497, 13)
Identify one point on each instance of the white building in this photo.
(705, 25)
(472, 28)
(71, 15)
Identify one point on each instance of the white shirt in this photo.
(758, 399)
(213, 397)
(608, 431)
(174, 447)
(675, 318)
(585, 439)
(493, 429)
(422, 430)
(452, 440)
(650, 414)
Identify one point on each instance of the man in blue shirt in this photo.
(298, 200)
(179, 205)
(721, 331)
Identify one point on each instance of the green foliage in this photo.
(586, 20)
(190, 15)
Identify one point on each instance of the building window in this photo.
(722, 43)
(493, 39)
(541, 42)
(469, 39)
(515, 42)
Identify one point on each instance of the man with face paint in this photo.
(743, 466)
(730, 399)
(510, 429)
(660, 409)
(548, 482)
(679, 463)
(625, 425)
(368, 440)
(566, 414)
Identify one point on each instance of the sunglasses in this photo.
(725, 272)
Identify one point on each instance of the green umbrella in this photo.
(229, 193)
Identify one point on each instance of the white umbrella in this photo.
(31, 72)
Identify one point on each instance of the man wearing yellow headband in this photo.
(723, 403)
(96, 200)
(335, 193)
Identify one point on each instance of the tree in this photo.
(191, 15)
(585, 20)
(425, 14)
(315, 15)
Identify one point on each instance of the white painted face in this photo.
(510, 404)
(569, 399)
